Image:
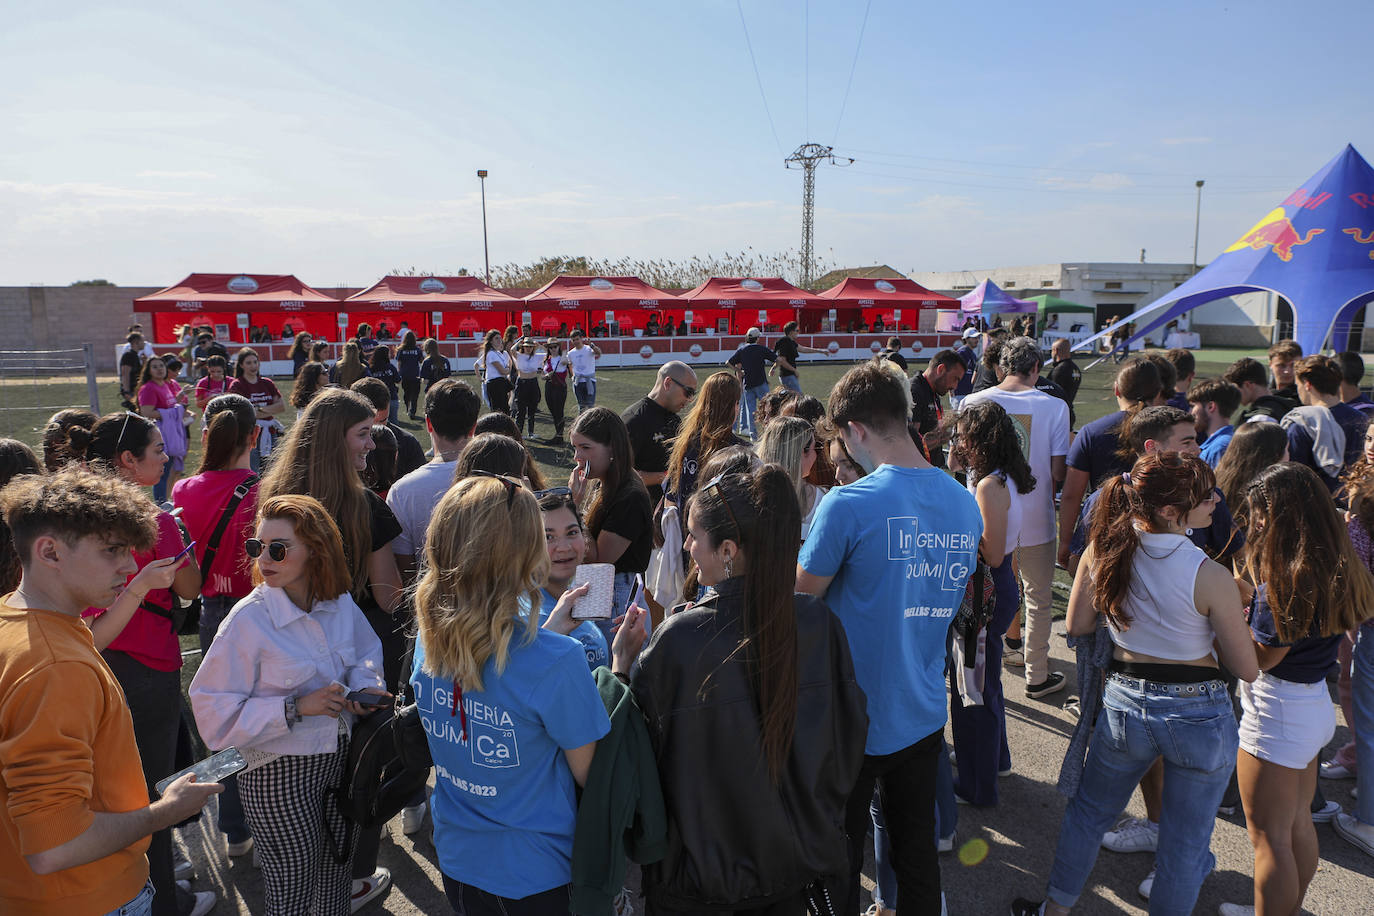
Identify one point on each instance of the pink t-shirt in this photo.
(148, 637)
(202, 499)
(261, 393)
(159, 394)
(208, 388)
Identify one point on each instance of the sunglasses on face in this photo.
(688, 390)
(276, 550)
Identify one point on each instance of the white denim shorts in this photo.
(1285, 722)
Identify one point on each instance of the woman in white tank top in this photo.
(1164, 695)
(987, 447)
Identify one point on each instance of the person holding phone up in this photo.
(277, 680)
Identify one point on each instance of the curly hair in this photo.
(988, 443)
(75, 503)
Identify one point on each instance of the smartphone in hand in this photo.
(185, 550)
(212, 769)
(370, 700)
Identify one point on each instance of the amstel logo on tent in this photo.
(291, 305)
(188, 306)
(695, 350)
(752, 285)
(1275, 231)
(884, 286)
(432, 285)
(646, 352)
(243, 284)
(601, 284)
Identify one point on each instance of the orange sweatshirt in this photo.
(66, 751)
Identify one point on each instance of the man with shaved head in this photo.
(653, 422)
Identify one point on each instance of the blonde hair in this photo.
(484, 563)
(783, 442)
(709, 426)
(312, 461)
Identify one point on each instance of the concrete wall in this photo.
(63, 317)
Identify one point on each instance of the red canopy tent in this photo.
(274, 300)
(465, 305)
(586, 300)
(855, 297)
(767, 302)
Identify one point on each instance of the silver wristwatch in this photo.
(292, 716)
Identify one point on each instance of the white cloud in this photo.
(190, 175)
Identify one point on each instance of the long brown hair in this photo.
(604, 427)
(1254, 447)
(1138, 381)
(1158, 481)
(988, 444)
(759, 511)
(231, 421)
(709, 426)
(1313, 579)
(312, 461)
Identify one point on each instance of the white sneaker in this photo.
(1326, 814)
(1356, 832)
(412, 818)
(1147, 885)
(241, 849)
(1330, 769)
(203, 903)
(365, 890)
(1132, 835)
(1235, 909)
(945, 843)
(1013, 656)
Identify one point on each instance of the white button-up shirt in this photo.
(268, 649)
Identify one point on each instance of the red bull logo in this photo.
(1275, 232)
(1361, 237)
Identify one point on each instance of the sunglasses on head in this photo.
(552, 491)
(510, 483)
(276, 550)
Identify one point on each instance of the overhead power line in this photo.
(757, 79)
(844, 102)
(1056, 168)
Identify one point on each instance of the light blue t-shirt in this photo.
(900, 544)
(589, 634)
(504, 804)
(1214, 446)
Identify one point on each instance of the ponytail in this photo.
(1114, 540)
(1137, 382)
(231, 421)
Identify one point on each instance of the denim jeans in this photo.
(1362, 690)
(946, 820)
(395, 410)
(584, 389)
(1196, 735)
(905, 782)
(142, 905)
(793, 382)
(751, 406)
(231, 820)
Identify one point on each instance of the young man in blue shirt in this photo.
(891, 554)
(1213, 402)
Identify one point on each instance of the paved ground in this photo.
(1020, 836)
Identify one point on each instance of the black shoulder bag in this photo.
(185, 617)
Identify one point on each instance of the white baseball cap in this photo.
(753, 333)
(972, 332)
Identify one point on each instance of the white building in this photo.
(1117, 289)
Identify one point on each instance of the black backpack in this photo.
(388, 762)
(980, 601)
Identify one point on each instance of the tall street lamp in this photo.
(1197, 223)
(486, 256)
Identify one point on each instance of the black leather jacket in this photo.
(734, 838)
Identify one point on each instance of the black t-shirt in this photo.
(751, 358)
(410, 454)
(1068, 376)
(389, 375)
(433, 369)
(896, 357)
(1266, 405)
(384, 529)
(131, 359)
(984, 377)
(787, 349)
(630, 515)
(652, 429)
(926, 413)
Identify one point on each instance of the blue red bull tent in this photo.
(1316, 249)
(988, 299)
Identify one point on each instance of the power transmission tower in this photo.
(807, 157)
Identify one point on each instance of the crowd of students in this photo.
(777, 694)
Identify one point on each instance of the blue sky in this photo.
(142, 141)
